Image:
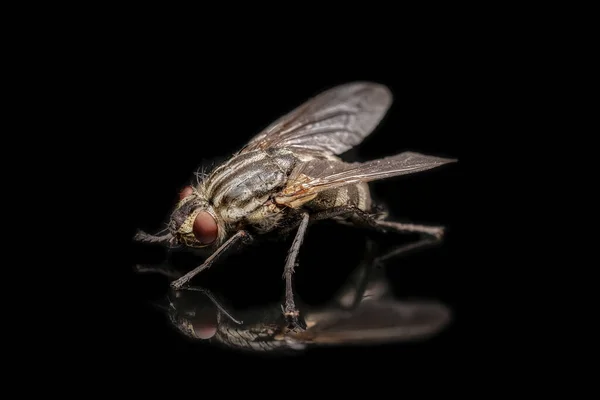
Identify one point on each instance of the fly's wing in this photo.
(375, 322)
(318, 175)
(330, 123)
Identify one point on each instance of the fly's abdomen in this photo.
(356, 195)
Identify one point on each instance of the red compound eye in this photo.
(205, 228)
(185, 192)
(205, 324)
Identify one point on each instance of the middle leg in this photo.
(290, 311)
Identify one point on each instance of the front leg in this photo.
(162, 269)
(290, 311)
(435, 232)
(167, 239)
(240, 235)
(215, 301)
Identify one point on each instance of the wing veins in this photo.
(325, 131)
(309, 122)
(359, 175)
(401, 164)
(363, 104)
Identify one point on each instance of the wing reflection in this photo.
(363, 313)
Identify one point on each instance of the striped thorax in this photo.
(235, 193)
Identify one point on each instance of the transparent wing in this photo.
(331, 123)
(319, 175)
(376, 322)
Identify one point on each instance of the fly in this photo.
(290, 175)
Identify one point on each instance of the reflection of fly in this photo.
(363, 313)
(289, 174)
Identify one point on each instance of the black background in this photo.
(168, 110)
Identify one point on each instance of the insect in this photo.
(289, 175)
(363, 313)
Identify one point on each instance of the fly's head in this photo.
(194, 222)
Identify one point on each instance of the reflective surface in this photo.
(363, 312)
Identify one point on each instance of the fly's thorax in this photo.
(245, 183)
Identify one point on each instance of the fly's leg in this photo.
(435, 232)
(401, 250)
(239, 236)
(367, 281)
(290, 312)
(430, 234)
(165, 270)
(143, 237)
(364, 218)
(354, 289)
(215, 301)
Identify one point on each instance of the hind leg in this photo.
(359, 217)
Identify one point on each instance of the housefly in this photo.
(289, 175)
(364, 312)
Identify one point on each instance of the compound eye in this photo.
(205, 228)
(205, 323)
(185, 192)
